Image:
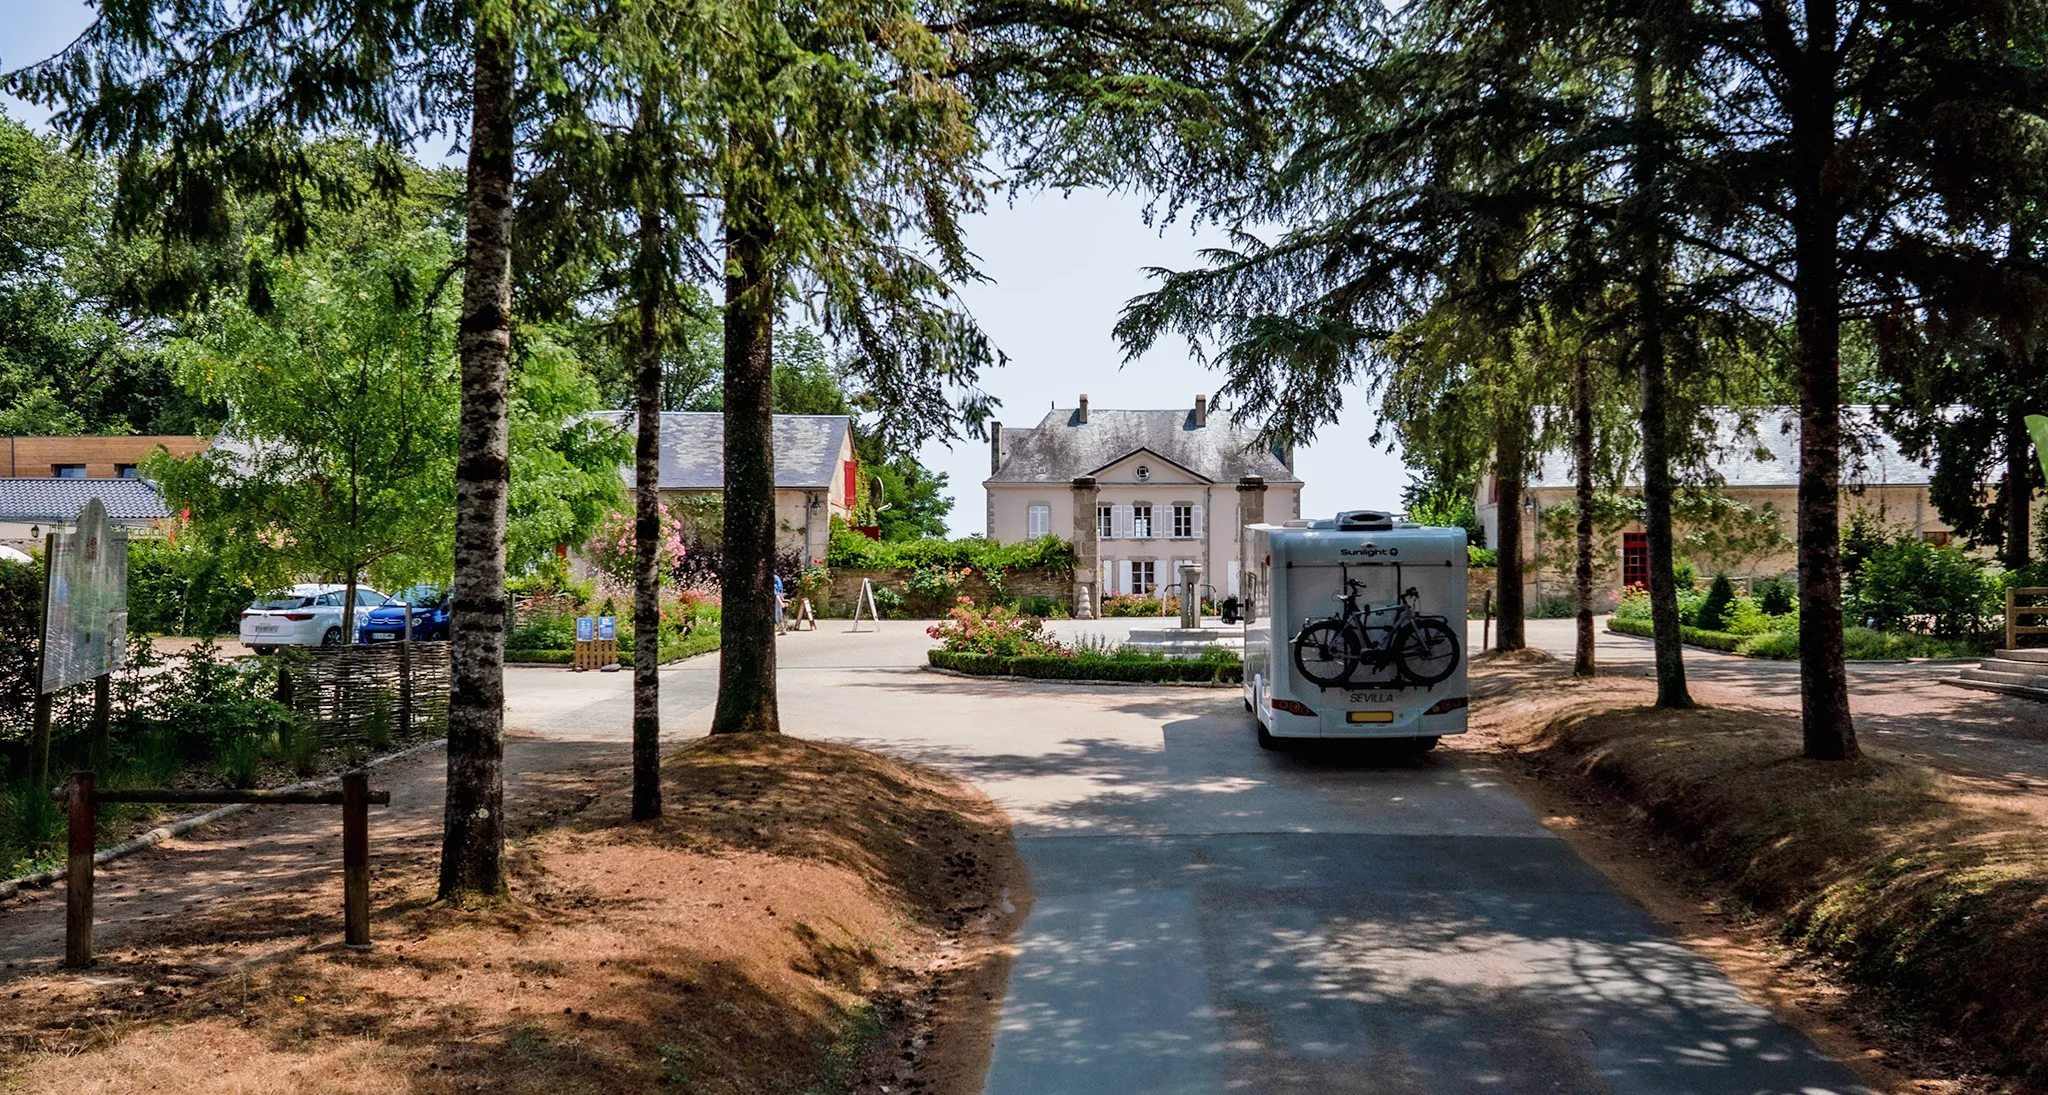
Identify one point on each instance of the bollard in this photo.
(78, 876)
(355, 858)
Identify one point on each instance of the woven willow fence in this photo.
(359, 694)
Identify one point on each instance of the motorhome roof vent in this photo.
(1364, 520)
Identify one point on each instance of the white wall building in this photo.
(1138, 492)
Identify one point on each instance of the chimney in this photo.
(1201, 411)
(995, 447)
(1081, 415)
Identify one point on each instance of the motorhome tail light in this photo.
(298, 617)
(1447, 705)
(1293, 707)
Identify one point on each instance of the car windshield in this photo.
(285, 602)
(417, 595)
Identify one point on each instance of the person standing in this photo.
(780, 600)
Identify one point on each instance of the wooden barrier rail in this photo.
(2014, 610)
(81, 800)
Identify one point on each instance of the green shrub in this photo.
(240, 758)
(1133, 604)
(1482, 557)
(888, 602)
(848, 548)
(177, 586)
(1689, 602)
(1634, 604)
(1774, 596)
(298, 748)
(936, 583)
(1554, 607)
(1152, 669)
(1686, 575)
(1713, 611)
(1783, 645)
(1906, 584)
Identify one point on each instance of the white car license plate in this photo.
(265, 629)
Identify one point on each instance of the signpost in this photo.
(597, 642)
(85, 623)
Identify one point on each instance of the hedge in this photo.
(1040, 667)
(1712, 640)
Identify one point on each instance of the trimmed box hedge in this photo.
(1041, 667)
(1712, 640)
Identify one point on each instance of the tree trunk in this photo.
(1582, 456)
(746, 666)
(1652, 382)
(1509, 446)
(647, 530)
(473, 832)
(348, 608)
(1829, 732)
(2019, 490)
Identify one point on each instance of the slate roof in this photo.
(1769, 457)
(807, 449)
(58, 500)
(1060, 448)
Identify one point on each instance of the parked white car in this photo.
(304, 615)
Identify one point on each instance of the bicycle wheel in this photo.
(1325, 652)
(1428, 653)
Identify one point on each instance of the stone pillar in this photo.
(1251, 510)
(1086, 549)
(1190, 595)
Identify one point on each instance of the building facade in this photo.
(1755, 469)
(89, 457)
(816, 471)
(1138, 493)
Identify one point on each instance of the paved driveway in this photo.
(1209, 917)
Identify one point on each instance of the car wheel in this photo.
(332, 638)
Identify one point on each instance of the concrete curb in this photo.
(179, 828)
(1071, 680)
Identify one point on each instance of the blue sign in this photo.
(607, 627)
(586, 629)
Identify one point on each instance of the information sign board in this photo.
(607, 627)
(586, 629)
(85, 601)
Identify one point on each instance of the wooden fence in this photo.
(351, 694)
(2032, 609)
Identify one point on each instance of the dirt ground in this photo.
(1768, 895)
(806, 917)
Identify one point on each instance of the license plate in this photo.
(1370, 716)
(265, 629)
(383, 636)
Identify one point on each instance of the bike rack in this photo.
(1344, 575)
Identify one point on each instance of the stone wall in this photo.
(1479, 581)
(1058, 584)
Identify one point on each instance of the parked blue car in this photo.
(386, 622)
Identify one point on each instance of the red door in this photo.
(1635, 559)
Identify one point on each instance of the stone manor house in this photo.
(1138, 492)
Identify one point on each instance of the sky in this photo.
(1061, 268)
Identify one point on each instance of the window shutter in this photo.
(1123, 575)
(1120, 523)
(1232, 588)
(1198, 520)
(1104, 583)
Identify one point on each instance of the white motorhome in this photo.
(1355, 630)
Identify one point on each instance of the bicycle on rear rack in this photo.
(1422, 649)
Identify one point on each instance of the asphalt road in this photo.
(1209, 917)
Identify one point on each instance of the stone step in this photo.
(1992, 676)
(2031, 655)
(2024, 668)
(2004, 689)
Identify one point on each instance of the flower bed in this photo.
(1086, 667)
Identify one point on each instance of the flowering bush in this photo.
(937, 582)
(995, 630)
(611, 547)
(1137, 604)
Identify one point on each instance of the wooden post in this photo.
(355, 858)
(2012, 619)
(78, 879)
(102, 715)
(405, 678)
(1485, 628)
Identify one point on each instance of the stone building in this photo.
(1137, 492)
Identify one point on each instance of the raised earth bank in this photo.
(1921, 894)
(805, 918)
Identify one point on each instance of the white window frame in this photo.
(1144, 577)
(1141, 521)
(1037, 520)
(1183, 520)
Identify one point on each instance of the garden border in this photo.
(1080, 680)
(156, 836)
